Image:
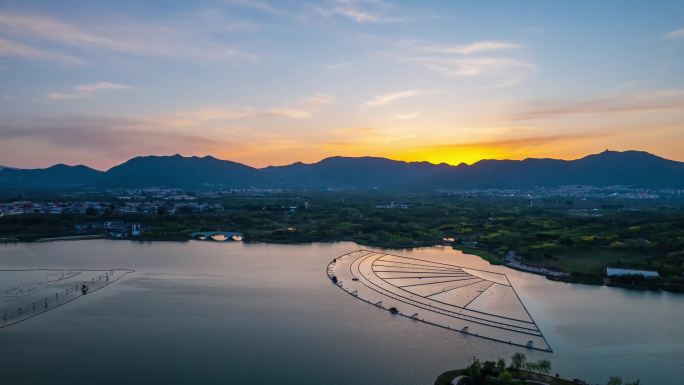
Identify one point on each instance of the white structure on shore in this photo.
(616, 272)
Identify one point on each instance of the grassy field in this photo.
(595, 260)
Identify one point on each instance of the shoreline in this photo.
(70, 238)
(447, 377)
(481, 253)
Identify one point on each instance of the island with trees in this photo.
(519, 371)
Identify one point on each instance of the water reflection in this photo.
(228, 312)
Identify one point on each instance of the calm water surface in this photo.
(233, 313)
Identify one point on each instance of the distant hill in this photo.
(178, 171)
(59, 175)
(609, 168)
(343, 172)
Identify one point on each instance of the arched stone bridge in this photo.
(211, 235)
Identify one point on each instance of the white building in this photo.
(136, 229)
(615, 272)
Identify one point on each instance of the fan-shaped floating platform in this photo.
(471, 301)
(27, 293)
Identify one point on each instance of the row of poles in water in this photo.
(47, 302)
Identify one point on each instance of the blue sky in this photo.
(278, 82)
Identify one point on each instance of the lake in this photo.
(234, 313)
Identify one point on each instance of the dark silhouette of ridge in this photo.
(609, 168)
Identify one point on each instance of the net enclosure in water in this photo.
(431, 290)
(30, 292)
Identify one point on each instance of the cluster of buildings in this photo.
(393, 205)
(112, 228)
(618, 272)
(121, 207)
(175, 194)
(28, 207)
(581, 192)
(169, 208)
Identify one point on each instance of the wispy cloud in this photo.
(662, 100)
(408, 116)
(495, 62)
(186, 39)
(52, 29)
(320, 99)
(355, 11)
(204, 115)
(92, 87)
(353, 137)
(460, 49)
(498, 71)
(287, 113)
(207, 115)
(676, 34)
(521, 142)
(360, 11)
(394, 96)
(266, 7)
(86, 90)
(104, 141)
(337, 66)
(14, 49)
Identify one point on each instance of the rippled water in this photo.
(233, 313)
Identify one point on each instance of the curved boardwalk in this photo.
(470, 301)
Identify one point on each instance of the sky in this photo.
(270, 82)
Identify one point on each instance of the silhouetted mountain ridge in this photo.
(57, 175)
(609, 168)
(178, 171)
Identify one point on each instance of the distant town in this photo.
(173, 200)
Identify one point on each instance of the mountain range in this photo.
(609, 168)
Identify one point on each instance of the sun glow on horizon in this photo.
(274, 84)
(452, 156)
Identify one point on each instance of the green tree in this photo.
(518, 360)
(488, 367)
(544, 366)
(501, 364)
(614, 381)
(505, 377)
(475, 369)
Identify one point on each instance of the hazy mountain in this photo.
(343, 172)
(59, 175)
(609, 168)
(631, 168)
(178, 171)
